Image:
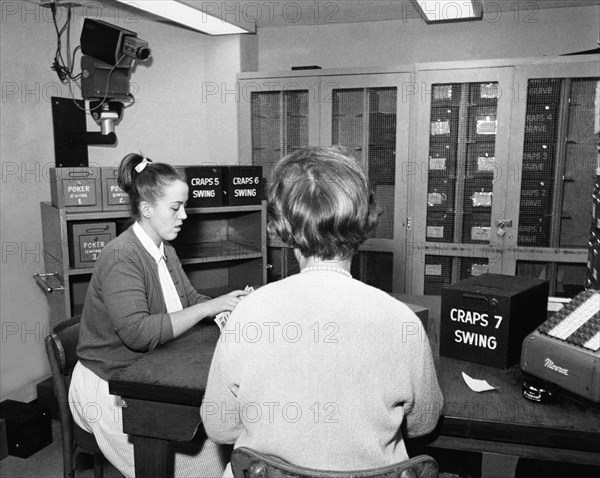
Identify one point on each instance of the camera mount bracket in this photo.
(71, 138)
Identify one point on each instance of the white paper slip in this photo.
(477, 385)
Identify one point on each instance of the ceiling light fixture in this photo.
(435, 11)
(191, 17)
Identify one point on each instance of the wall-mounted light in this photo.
(208, 21)
(435, 11)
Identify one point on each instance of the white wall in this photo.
(507, 34)
(170, 122)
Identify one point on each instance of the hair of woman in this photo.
(144, 180)
(319, 203)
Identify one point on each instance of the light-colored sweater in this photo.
(125, 314)
(322, 370)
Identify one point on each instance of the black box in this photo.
(46, 397)
(485, 93)
(477, 228)
(438, 270)
(28, 427)
(479, 195)
(536, 197)
(243, 185)
(534, 231)
(443, 125)
(481, 161)
(3, 440)
(442, 160)
(440, 227)
(483, 123)
(484, 319)
(538, 161)
(540, 122)
(445, 94)
(440, 194)
(206, 186)
(543, 90)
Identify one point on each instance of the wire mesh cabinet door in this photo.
(276, 116)
(553, 167)
(368, 115)
(458, 175)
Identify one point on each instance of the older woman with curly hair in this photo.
(319, 368)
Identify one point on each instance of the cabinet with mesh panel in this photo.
(478, 166)
(516, 142)
(460, 150)
(555, 188)
(367, 114)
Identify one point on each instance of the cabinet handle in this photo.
(42, 280)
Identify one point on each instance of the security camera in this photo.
(108, 55)
(111, 44)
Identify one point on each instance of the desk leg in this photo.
(494, 465)
(153, 457)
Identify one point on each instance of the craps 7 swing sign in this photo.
(484, 319)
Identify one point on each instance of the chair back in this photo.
(248, 463)
(63, 344)
(61, 349)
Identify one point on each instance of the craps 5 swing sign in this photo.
(485, 319)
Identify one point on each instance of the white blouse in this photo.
(166, 281)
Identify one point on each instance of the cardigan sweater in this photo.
(124, 314)
(323, 371)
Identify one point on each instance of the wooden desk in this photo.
(163, 392)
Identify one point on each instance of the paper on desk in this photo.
(477, 385)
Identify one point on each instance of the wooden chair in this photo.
(248, 463)
(61, 347)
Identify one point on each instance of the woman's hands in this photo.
(183, 320)
(227, 302)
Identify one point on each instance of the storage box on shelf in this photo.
(113, 197)
(76, 189)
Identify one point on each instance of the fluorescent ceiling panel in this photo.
(450, 10)
(191, 17)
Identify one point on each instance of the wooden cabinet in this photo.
(479, 166)
(367, 113)
(221, 249)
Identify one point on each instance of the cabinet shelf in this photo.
(86, 216)
(222, 249)
(80, 271)
(216, 251)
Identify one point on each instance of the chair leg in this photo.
(98, 466)
(68, 457)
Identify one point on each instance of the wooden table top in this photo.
(176, 372)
